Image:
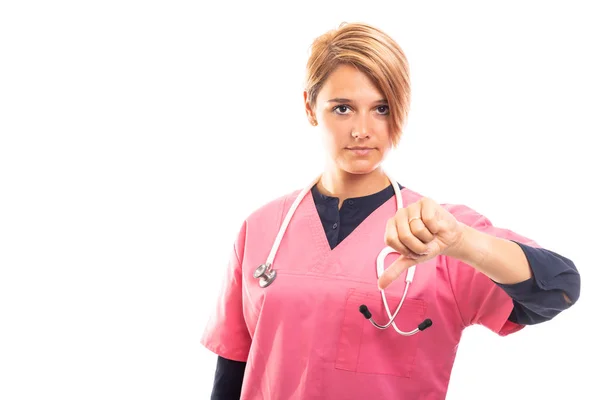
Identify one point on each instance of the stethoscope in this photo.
(266, 274)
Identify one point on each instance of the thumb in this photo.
(394, 271)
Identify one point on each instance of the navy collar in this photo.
(371, 201)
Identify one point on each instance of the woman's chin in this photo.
(360, 167)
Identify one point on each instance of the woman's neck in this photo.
(343, 185)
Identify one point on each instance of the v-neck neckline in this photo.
(320, 237)
(338, 222)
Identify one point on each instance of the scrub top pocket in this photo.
(363, 348)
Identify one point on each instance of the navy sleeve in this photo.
(228, 379)
(542, 297)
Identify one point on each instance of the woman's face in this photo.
(354, 119)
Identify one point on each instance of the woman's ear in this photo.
(310, 114)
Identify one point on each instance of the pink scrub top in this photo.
(303, 336)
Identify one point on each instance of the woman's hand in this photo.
(419, 232)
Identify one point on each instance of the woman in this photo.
(298, 333)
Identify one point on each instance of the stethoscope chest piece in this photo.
(265, 275)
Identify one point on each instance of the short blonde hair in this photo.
(371, 51)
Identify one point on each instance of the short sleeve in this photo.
(479, 299)
(226, 333)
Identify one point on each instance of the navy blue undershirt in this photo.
(535, 300)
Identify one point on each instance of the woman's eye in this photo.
(383, 109)
(341, 109)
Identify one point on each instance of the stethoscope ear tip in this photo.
(364, 310)
(425, 324)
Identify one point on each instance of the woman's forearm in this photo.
(501, 260)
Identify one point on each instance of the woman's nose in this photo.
(361, 128)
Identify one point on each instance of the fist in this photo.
(419, 232)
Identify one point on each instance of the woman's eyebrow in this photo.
(339, 100)
(343, 100)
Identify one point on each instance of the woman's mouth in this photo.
(361, 151)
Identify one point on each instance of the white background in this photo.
(135, 137)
